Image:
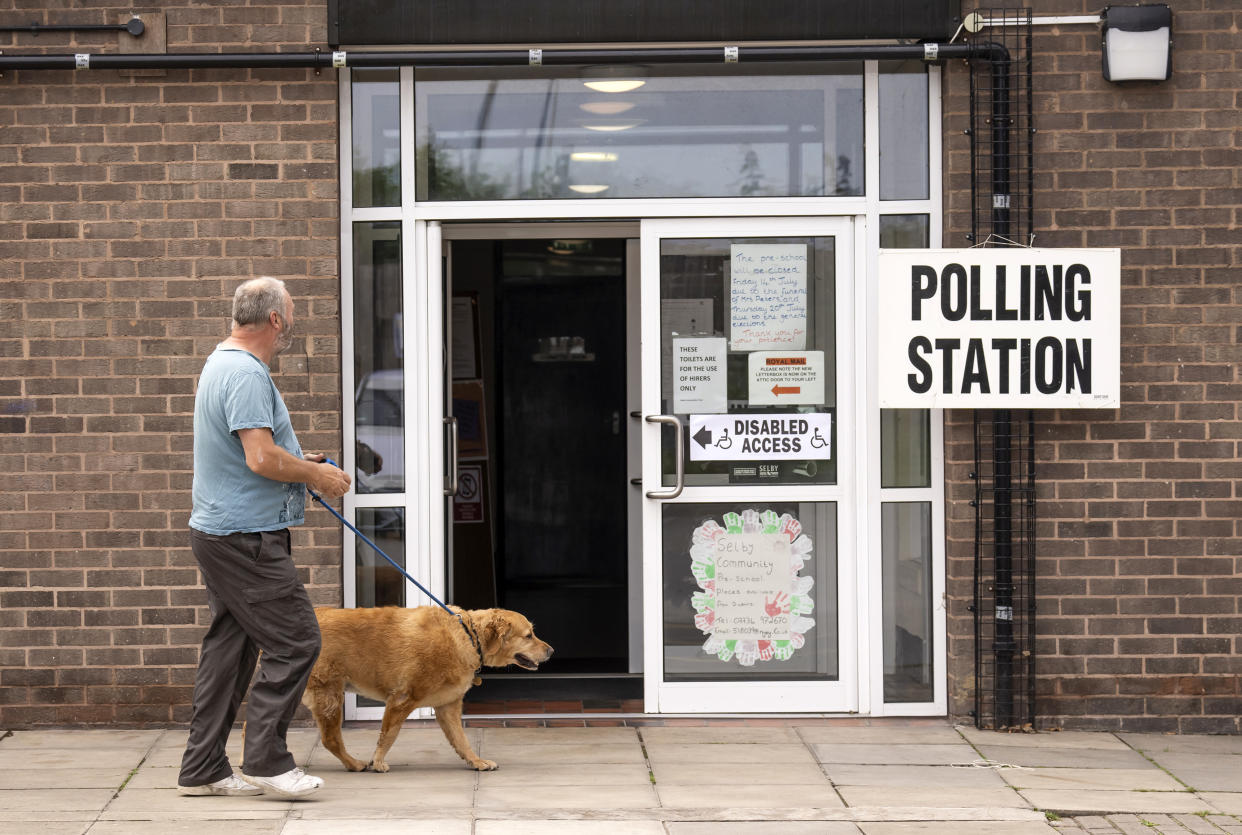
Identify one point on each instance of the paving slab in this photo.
(1045, 739)
(1203, 772)
(1114, 779)
(944, 777)
(395, 800)
(958, 828)
(894, 754)
(557, 736)
(611, 774)
(1094, 801)
(63, 778)
(374, 826)
(1124, 757)
(930, 796)
(323, 761)
(10, 818)
(729, 752)
(47, 827)
(78, 739)
(1187, 744)
(564, 827)
(565, 797)
(710, 794)
(513, 756)
(68, 758)
(704, 734)
(763, 828)
(274, 826)
(1228, 802)
(880, 735)
(722, 773)
(169, 803)
(60, 800)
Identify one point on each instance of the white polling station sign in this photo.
(1000, 328)
(761, 437)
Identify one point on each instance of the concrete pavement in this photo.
(665, 777)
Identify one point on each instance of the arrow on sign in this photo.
(703, 437)
(779, 390)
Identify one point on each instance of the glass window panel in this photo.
(906, 569)
(378, 366)
(905, 434)
(905, 448)
(904, 165)
(905, 231)
(376, 581)
(542, 133)
(695, 281)
(376, 126)
(748, 597)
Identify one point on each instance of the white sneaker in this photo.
(231, 786)
(293, 783)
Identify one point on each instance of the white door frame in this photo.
(840, 696)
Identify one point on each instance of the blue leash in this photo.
(474, 641)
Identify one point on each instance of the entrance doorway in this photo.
(537, 370)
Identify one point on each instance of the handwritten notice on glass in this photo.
(767, 297)
(753, 582)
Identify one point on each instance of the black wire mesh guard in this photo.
(1002, 214)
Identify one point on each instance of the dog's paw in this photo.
(483, 765)
(354, 765)
(380, 767)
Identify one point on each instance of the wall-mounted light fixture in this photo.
(1137, 43)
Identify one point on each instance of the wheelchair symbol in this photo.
(725, 441)
(818, 440)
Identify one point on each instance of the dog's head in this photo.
(508, 638)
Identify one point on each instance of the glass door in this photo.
(748, 394)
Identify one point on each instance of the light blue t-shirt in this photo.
(235, 391)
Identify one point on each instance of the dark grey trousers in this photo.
(257, 603)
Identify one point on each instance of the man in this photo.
(249, 487)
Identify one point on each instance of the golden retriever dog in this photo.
(411, 658)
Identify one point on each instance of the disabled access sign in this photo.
(761, 437)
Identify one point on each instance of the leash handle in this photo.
(378, 549)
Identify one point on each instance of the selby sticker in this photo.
(766, 437)
(753, 603)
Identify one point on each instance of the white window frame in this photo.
(420, 234)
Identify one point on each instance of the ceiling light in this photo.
(588, 189)
(613, 79)
(614, 124)
(620, 85)
(593, 156)
(607, 108)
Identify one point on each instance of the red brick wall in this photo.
(130, 207)
(1139, 578)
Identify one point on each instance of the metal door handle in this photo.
(451, 478)
(679, 458)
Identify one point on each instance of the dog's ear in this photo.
(494, 628)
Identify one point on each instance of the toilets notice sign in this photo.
(1000, 328)
(765, 437)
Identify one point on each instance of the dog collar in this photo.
(474, 642)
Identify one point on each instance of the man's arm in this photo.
(264, 457)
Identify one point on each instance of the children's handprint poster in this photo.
(753, 601)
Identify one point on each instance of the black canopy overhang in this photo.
(502, 57)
